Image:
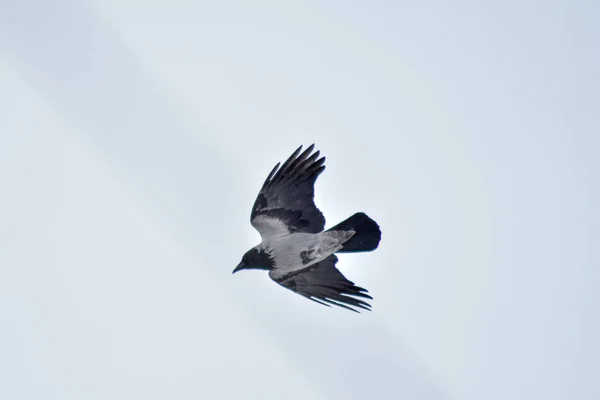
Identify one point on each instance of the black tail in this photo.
(367, 234)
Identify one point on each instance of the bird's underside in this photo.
(294, 249)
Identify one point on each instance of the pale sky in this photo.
(135, 135)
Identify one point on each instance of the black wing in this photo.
(285, 203)
(324, 283)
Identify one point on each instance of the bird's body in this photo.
(295, 250)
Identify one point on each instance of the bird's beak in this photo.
(238, 268)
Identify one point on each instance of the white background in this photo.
(134, 136)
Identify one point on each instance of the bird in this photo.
(295, 249)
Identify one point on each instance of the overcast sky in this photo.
(135, 135)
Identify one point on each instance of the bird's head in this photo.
(255, 258)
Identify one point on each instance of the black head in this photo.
(255, 258)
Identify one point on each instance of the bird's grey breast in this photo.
(293, 250)
(300, 250)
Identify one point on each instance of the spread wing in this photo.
(324, 283)
(285, 203)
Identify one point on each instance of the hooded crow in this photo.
(298, 254)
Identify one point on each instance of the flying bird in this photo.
(295, 249)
